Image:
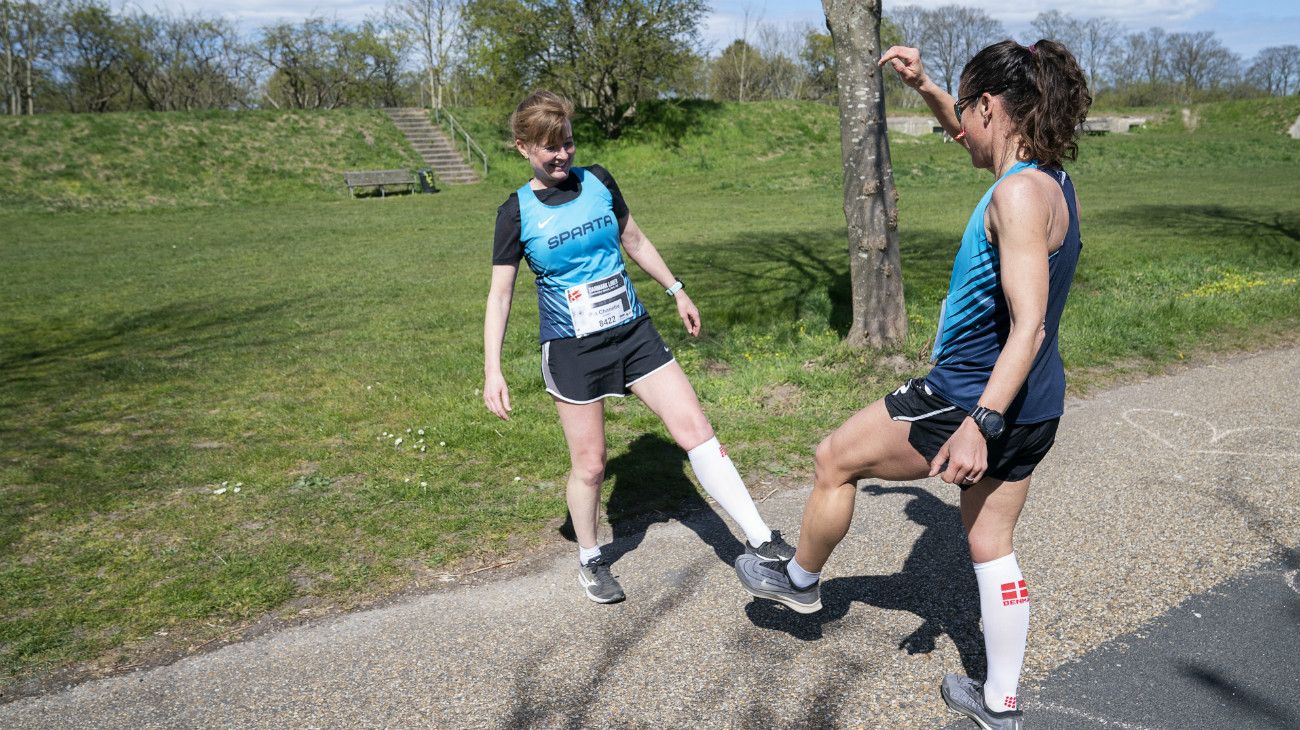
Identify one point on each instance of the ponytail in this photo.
(1043, 91)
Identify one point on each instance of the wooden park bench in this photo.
(379, 179)
(1094, 127)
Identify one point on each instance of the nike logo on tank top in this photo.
(573, 248)
(974, 320)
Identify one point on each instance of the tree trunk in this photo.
(870, 199)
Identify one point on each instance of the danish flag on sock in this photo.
(1010, 702)
(1015, 592)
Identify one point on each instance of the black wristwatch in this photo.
(990, 422)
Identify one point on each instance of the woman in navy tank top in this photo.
(986, 414)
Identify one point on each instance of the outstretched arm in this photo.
(496, 394)
(646, 256)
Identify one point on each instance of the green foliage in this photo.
(281, 341)
(608, 56)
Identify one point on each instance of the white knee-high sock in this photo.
(1004, 606)
(720, 479)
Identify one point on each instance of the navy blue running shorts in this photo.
(934, 420)
(603, 364)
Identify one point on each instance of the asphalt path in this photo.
(1158, 542)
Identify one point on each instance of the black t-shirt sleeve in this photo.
(620, 205)
(507, 247)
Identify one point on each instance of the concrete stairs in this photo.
(431, 142)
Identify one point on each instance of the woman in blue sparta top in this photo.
(597, 340)
(986, 414)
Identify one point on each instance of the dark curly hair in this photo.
(1043, 90)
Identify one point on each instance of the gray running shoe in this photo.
(774, 549)
(965, 695)
(768, 579)
(599, 583)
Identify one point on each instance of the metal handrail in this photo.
(456, 130)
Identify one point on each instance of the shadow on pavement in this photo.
(1245, 702)
(936, 583)
(648, 485)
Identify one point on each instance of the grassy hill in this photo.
(144, 160)
(165, 344)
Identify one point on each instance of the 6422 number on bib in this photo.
(599, 304)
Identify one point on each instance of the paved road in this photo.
(1157, 541)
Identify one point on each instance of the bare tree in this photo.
(1277, 69)
(744, 61)
(911, 23)
(870, 199)
(11, 77)
(1197, 60)
(435, 24)
(952, 35)
(1054, 25)
(1155, 55)
(1094, 44)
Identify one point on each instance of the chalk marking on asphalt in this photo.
(1091, 718)
(1291, 580)
(1216, 435)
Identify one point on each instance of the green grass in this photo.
(157, 345)
(146, 160)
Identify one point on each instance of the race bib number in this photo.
(600, 304)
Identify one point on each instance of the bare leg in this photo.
(584, 430)
(669, 394)
(989, 510)
(869, 444)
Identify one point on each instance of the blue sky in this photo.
(1244, 26)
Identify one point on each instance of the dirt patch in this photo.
(782, 398)
(208, 445)
(717, 367)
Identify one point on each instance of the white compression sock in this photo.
(720, 479)
(586, 555)
(799, 577)
(1004, 607)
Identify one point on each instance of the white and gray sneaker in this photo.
(595, 578)
(768, 579)
(965, 695)
(775, 548)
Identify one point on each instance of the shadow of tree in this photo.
(1274, 234)
(804, 275)
(649, 485)
(936, 583)
(51, 387)
(661, 121)
(1246, 703)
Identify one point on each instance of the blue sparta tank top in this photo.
(974, 320)
(573, 248)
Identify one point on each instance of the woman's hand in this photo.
(964, 458)
(689, 314)
(907, 62)
(496, 395)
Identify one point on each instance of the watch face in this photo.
(993, 425)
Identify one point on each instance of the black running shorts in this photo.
(1012, 456)
(586, 369)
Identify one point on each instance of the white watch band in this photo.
(676, 287)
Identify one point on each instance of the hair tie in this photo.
(1033, 49)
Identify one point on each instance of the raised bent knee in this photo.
(829, 466)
